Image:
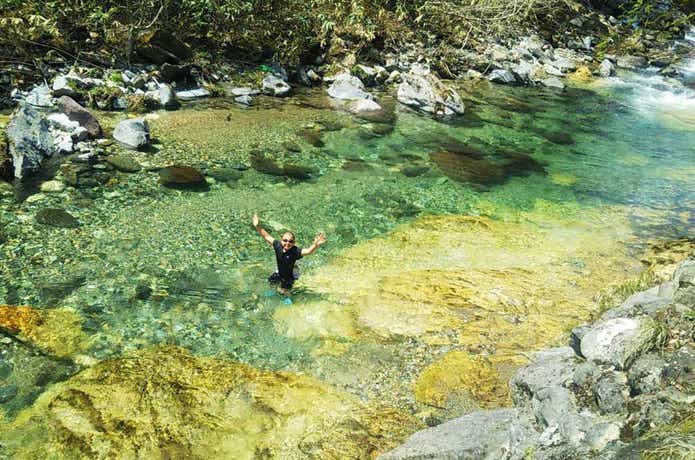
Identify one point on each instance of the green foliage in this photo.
(139, 103)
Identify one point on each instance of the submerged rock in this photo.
(182, 177)
(123, 163)
(164, 402)
(57, 218)
(57, 332)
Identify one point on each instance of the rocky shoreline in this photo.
(624, 387)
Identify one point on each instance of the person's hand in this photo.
(320, 239)
(255, 220)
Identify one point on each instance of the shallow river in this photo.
(454, 249)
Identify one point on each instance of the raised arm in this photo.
(261, 231)
(318, 241)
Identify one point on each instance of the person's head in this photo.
(287, 240)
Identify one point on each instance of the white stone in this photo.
(52, 186)
(348, 87)
(611, 341)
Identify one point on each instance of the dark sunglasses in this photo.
(287, 241)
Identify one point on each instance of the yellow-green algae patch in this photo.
(165, 403)
(460, 372)
(57, 332)
(495, 288)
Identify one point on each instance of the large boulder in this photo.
(273, 85)
(29, 139)
(502, 433)
(549, 368)
(423, 91)
(159, 47)
(133, 133)
(618, 341)
(348, 88)
(77, 113)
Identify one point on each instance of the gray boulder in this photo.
(275, 86)
(611, 392)
(66, 85)
(553, 367)
(646, 374)
(244, 99)
(502, 76)
(167, 97)
(348, 88)
(553, 82)
(424, 92)
(607, 68)
(365, 73)
(77, 113)
(29, 139)
(40, 96)
(631, 61)
(616, 341)
(133, 133)
(497, 434)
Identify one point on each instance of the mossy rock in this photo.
(415, 170)
(265, 165)
(139, 103)
(166, 403)
(124, 163)
(56, 217)
(225, 174)
(292, 146)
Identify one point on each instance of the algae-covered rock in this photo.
(57, 217)
(124, 163)
(56, 332)
(461, 372)
(164, 403)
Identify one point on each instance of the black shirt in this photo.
(286, 259)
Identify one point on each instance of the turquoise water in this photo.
(151, 265)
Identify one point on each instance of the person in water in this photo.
(286, 254)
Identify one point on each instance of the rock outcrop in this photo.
(423, 91)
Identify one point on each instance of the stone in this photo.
(124, 163)
(553, 82)
(275, 86)
(365, 73)
(244, 100)
(67, 85)
(167, 97)
(40, 96)
(576, 337)
(300, 172)
(614, 341)
(551, 405)
(52, 186)
(423, 91)
(502, 76)
(133, 133)
(192, 94)
(611, 392)
(348, 87)
(607, 68)
(553, 367)
(502, 433)
(646, 374)
(244, 91)
(29, 140)
(182, 177)
(598, 436)
(631, 61)
(641, 303)
(77, 113)
(57, 218)
(181, 74)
